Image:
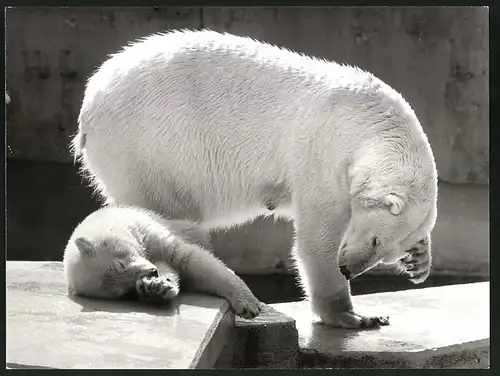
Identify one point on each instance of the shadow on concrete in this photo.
(283, 288)
(169, 308)
(25, 366)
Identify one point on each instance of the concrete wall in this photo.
(436, 57)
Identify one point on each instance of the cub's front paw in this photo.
(156, 289)
(245, 304)
(417, 262)
(351, 320)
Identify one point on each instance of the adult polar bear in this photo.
(216, 129)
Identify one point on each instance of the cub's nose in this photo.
(153, 272)
(345, 272)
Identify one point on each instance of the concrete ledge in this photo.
(438, 327)
(268, 341)
(47, 329)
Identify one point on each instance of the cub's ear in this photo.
(395, 203)
(85, 247)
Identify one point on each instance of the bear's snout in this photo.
(345, 272)
(143, 268)
(153, 273)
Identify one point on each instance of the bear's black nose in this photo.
(153, 272)
(345, 272)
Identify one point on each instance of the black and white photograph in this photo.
(247, 187)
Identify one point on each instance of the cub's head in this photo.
(105, 267)
(389, 215)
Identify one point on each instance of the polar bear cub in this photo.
(124, 252)
(218, 129)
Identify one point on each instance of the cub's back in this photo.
(112, 220)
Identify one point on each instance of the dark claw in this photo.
(270, 206)
(406, 258)
(384, 320)
(375, 322)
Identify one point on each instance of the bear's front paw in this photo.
(351, 320)
(245, 304)
(156, 289)
(417, 262)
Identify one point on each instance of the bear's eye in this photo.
(375, 241)
(122, 266)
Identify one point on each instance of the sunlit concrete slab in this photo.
(438, 327)
(48, 329)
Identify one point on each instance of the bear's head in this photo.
(105, 267)
(392, 207)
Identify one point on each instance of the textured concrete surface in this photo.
(268, 341)
(436, 57)
(48, 329)
(441, 327)
(45, 201)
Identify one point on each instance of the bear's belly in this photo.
(241, 206)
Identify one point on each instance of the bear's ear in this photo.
(395, 203)
(85, 247)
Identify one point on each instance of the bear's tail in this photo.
(77, 145)
(77, 148)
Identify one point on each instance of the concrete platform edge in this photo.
(213, 343)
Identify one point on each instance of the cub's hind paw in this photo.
(156, 289)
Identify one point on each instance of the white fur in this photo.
(115, 248)
(211, 127)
